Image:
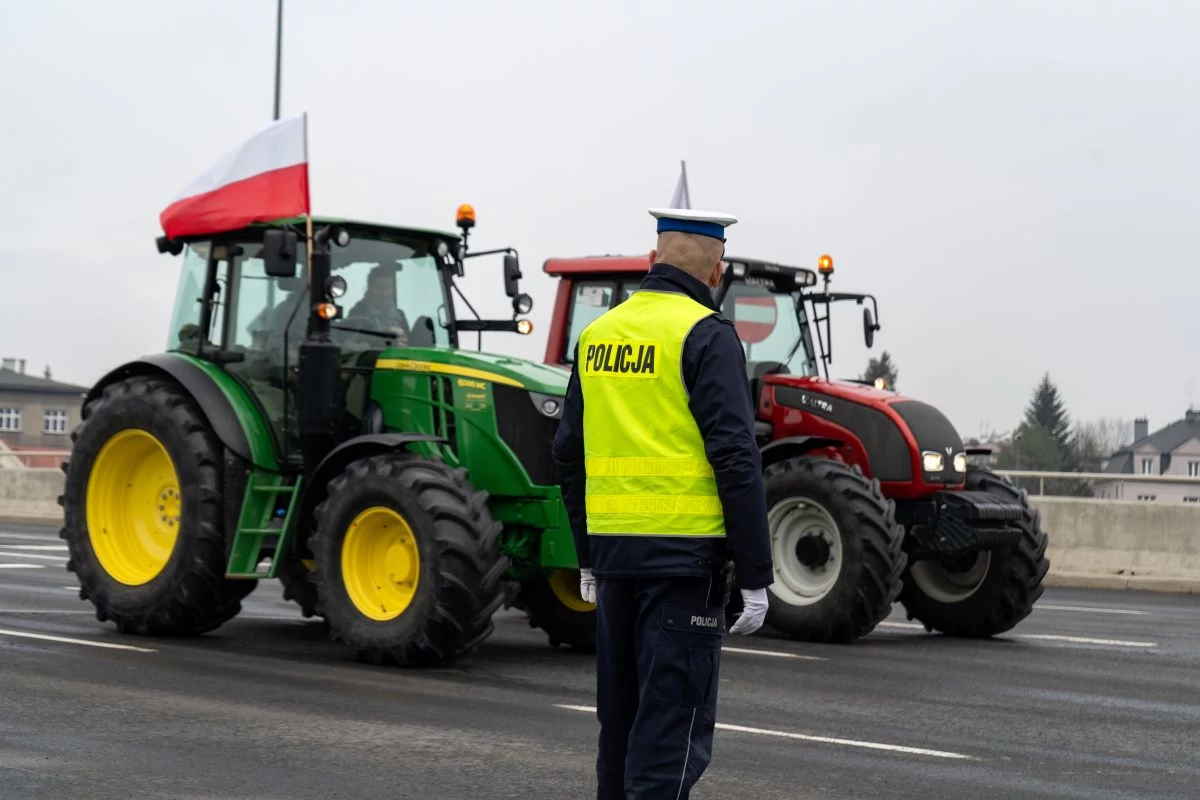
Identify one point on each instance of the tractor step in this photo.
(263, 526)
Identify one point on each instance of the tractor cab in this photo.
(255, 295)
(773, 307)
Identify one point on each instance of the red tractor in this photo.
(871, 496)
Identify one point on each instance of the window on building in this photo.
(1147, 466)
(1194, 469)
(1147, 497)
(10, 420)
(54, 421)
(1191, 498)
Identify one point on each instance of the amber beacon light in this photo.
(466, 216)
(825, 264)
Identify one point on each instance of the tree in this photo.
(1095, 441)
(1046, 409)
(881, 367)
(1034, 448)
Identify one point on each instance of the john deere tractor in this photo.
(313, 419)
(871, 497)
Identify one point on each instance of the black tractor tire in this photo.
(565, 621)
(1006, 592)
(296, 579)
(190, 595)
(459, 567)
(867, 581)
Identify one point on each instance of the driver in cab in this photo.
(377, 309)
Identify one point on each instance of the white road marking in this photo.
(895, 748)
(22, 566)
(1047, 637)
(1091, 609)
(41, 556)
(771, 653)
(66, 640)
(30, 537)
(1085, 640)
(911, 626)
(6, 547)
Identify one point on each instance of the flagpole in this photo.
(308, 223)
(278, 51)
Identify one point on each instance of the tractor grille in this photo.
(527, 431)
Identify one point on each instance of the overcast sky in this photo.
(1017, 182)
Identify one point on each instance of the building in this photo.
(1173, 450)
(36, 414)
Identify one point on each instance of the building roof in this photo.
(1164, 441)
(11, 381)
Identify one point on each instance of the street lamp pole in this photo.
(278, 50)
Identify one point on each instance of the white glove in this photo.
(587, 586)
(754, 611)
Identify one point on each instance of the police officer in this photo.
(662, 480)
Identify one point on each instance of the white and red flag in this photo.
(261, 180)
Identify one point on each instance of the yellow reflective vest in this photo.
(644, 458)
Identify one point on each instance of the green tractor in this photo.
(312, 419)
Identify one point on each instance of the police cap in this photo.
(686, 220)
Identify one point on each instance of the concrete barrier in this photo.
(1108, 544)
(1117, 544)
(31, 496)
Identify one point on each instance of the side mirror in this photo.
(869, 327)
(512, 274)
(280, 253)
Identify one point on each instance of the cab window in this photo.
(591, 299)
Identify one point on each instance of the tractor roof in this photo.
(606, 265)
(370, 226)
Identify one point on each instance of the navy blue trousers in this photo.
(658, 658)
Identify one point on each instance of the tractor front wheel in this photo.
(143, 512)
(836, 547)
(555, 605)
(407, 562)
(981, 594)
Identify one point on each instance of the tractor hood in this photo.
(881, 419)
(530, 375)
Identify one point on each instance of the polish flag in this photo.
(262, 180)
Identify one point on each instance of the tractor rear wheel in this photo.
(408, 567)
(555, 605)
(143, 512)
(836, 548)
(987, 593)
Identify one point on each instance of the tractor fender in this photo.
(215, 404)
(339, 457)
(794, 446)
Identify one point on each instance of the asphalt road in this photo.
(1096, 696)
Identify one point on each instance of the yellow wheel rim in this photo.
(134, 508)
(380, 563)
(565, 585)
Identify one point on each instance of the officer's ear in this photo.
(714, 277)
(653, 256)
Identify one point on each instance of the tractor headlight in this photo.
(335, 286)
(933, 462)
(548, 405)
(960, 462)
